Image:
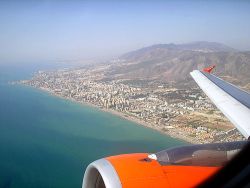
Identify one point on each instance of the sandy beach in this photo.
(174, 132)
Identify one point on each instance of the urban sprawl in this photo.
(182, 113)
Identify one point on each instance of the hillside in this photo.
(172, 62)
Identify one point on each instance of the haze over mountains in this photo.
(173, 62)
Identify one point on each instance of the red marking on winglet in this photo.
(209, 69)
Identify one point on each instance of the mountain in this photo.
(200, 46)
(173, 62)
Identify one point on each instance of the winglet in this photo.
(209, 69)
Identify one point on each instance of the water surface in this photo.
(46, 141)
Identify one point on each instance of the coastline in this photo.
(174, 133)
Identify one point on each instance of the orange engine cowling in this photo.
(177, 167)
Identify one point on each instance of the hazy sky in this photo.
(78, 30)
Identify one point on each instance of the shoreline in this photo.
(174, 133)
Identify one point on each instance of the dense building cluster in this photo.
(183, 113)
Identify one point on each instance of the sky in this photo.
(75, 30)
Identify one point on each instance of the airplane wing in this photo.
(233, 102)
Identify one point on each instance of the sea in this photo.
(46, 141)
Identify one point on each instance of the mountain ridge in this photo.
(202, 46)
(171, 62)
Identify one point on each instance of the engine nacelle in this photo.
(184, 166)
(101, 174)
(128, 170)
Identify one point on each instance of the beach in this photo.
(172, 132)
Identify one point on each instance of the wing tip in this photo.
(209, 69)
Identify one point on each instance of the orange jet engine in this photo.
(184, 166)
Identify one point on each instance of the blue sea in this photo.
(46, 141)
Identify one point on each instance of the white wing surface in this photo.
(232, 101)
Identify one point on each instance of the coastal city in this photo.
(186, 114)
